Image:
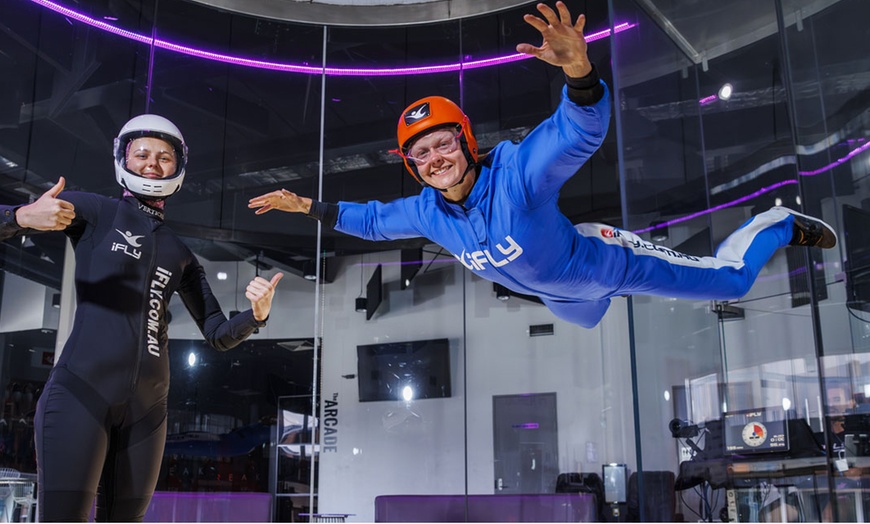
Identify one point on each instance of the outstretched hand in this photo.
(260, 292)
(281, 200)
(47, 213)
(564, 44)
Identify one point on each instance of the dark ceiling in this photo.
(66, 88)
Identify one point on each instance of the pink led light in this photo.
(296, 68)
(708, 100)
(740, 200)
(768, 189)
(835, 163)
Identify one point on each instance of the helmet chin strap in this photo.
(158, 201)
(471, 166)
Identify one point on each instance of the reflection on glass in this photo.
(298, 434)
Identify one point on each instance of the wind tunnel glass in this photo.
(422, 155)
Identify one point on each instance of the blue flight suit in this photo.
(510, 229)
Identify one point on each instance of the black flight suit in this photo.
(101, 419)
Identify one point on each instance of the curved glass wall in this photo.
(786, 350)
(393, 384)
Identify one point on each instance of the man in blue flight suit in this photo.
(498, 214)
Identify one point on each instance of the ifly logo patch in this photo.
(416, 113)
(131, 242)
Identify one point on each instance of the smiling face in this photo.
(151, 157)
(441, 163)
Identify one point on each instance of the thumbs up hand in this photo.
(47, 213)
(260, 292)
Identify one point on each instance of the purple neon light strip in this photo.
(740, 200)
(295, 68)
(832, 165)
(708, 99)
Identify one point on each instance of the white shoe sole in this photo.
(819, 220)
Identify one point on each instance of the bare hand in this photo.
(281, 200)
(564, 44)
(47, 213)
(260, 292)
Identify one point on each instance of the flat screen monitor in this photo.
(857, 434)
(404, 370)
(614, 483)
(856, 229)
(374, 292)
(763, 430)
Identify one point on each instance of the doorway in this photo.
(525, 443)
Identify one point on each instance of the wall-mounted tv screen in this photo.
(404, 370)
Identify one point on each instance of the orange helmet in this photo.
(425, 115)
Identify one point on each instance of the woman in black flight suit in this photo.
(101, 420)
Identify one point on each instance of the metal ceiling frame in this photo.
(398, 12)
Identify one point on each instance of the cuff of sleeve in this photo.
(260, 323)
(324, 211)
(585, 91)
(8, 216)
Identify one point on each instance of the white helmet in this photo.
(157, 127)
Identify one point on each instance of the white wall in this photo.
(431, 446)
(26, 305)
(292, 307)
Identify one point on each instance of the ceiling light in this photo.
(726, 91)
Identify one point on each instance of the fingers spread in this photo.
(564, 14)
(580, 24)
(528, 49)
(548, 13)
(535, 22)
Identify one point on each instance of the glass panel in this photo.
(830, 111)
(428, 374)
(676, 342)
(251, 130)
(534, 390)
(767, 387)
(77, 87)
(375, 361)
(56, 120)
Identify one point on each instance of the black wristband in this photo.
(323, 211)
(585, 91)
